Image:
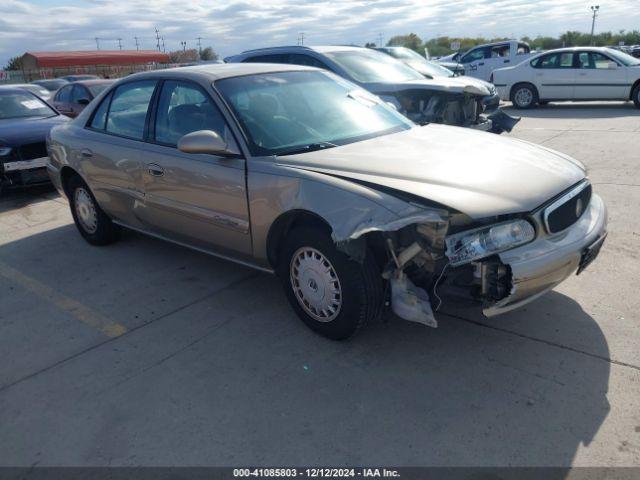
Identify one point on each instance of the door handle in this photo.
(155, 170)
(86, 153)
(507, 61)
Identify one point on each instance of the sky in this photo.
(232, 26)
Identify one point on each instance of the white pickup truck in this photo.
(482, 60)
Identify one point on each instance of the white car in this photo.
(582, 73)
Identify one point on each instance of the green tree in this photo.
(14, 63)
(411, 41)
(208, 54)
(370, 45)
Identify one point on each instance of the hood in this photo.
(18, 131)
(472, 81)
(473, 172)
(444, 84)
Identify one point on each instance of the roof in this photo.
(93, 81)
(221, 70)
(96, 57)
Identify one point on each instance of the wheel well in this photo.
(287, 222)
(66, 174)
(633, 89)
(513, 89)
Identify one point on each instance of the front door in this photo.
(197, 199)
(599, 77)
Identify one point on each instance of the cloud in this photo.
(230, 26)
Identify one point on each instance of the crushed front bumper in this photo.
(541, 265)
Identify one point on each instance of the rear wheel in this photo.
(636, 96)
(92, 223)
(332, 294)
(524, 96)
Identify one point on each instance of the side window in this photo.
(184, 108)
(554, 60)
(78, 92)
(523, 49)
(64, 94)
(306, 60)
(275, 58)
(129, 109)
(499, 51)
(99, 119)
(594, 60)
(473, 55)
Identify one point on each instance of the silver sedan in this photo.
(296, 171)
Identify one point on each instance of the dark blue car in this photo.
(25, 121)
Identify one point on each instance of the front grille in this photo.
(566, 211)
(33, 150)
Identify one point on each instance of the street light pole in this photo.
(595, 9)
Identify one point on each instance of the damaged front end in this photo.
(433, 259)
(466, 109)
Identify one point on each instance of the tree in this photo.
(208, 54)
(412, 41)
(184, 56)
(370, 45)
(14, 63)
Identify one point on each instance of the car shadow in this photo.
(464, 394)
(19, 197)
(572, 110)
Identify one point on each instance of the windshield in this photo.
(417, 61)
(23, 104)
(369, 66)
(623, 58)
(280, 112)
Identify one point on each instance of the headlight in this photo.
(4, 151)
(481, 242)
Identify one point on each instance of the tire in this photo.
(91, 221)
(635, 96)
(358, 286)
(524, 96)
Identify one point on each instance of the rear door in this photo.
(554, 76)
(599, 77)
(193, 198)
(113, 146)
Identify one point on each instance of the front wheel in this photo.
(636, 96)
(332, 294)
(524, 96)
(92, 223)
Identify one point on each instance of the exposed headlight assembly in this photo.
(482, 242)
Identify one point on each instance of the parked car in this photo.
(425, 66)
(71, 99)
(297, 171)
(51, 84)
(42, 92)
(482, 60)
(582, 73)
(452, 101)
(433, 70)
(78, 78)
(25, 120)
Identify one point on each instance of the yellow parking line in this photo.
(69, 305)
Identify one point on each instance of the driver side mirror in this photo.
(205, 141)
(83, 101)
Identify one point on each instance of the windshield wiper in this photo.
(310, 147)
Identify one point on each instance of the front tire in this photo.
(636, 96)
(524, 96)
(91, 221)
(332, 294)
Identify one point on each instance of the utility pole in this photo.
(184, 46)
(301, 38)
(595, 9)
(157, 39)
(119, 43)
(164, 50)
(97, 43)
(199, 45)
(380, 40)
(137, 46)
